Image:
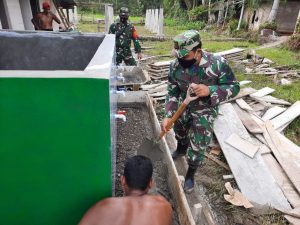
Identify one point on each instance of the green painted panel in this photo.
(55, 158)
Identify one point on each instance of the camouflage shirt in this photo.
(212, 71)
(125, 32)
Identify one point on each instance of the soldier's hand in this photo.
(139, 56)
(164, 125)
(201, 90)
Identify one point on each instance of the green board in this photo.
(55, 158)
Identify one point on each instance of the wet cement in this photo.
(130, 135)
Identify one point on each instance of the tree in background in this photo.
(274, 10)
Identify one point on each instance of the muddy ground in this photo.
(210, 185)
(130, 135)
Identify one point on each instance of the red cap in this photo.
(46, 5)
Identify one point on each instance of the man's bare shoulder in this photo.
(159, 200)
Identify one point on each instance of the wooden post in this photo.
(241, 15)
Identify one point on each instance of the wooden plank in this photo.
(243, 105)
(262, 92)
(282, 179)
(150, 86)
(230, 51)
(160, 98)
(162, 63)
(245, 82)
(258, 107)
(158, 89)
(272, 112)
(288, 116)
(227, 177)
(288, 159)
(252, 175)
(293, 216)
(242, 145)
(159, 94)
(273, 100)
(247, 120)
(243, 92)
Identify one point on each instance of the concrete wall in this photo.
(14, 15)
(286, 17)
(0, 24)
(26, 14)
(47, 51)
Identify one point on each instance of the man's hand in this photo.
(201, 90)
(164, 124)
(139, 56)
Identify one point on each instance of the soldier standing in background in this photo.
(125, 32)
(213, 81)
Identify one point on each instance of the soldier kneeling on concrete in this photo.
(213, 81)
(137, 206)
(125, 32)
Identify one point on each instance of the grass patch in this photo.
(281, 56)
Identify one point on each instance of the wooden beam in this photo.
(243, 105)
(288, 159)
(262, 92)
(242, 145)
(273, 112)
(247, 120)
(288, 116)
(283, 181)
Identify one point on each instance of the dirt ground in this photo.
(210, 182)
(130, 135)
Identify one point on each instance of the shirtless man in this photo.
(137, 207)
(43, 20)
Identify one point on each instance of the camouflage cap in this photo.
(185, 42)
(124, 11)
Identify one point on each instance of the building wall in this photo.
(286, 16)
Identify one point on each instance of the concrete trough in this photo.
(180, 204)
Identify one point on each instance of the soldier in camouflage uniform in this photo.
(212, 80)
(125, 32)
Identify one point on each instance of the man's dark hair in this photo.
(138, 172)
(198, 46)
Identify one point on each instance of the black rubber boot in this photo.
(180, 151)
(189, 182)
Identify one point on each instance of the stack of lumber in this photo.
(264, 163)
(234, 54)
(157, 91)
(159, 70)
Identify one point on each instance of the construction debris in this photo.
(263, 156)
(236, 198)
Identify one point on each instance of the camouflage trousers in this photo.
(124, 54)
(194, 127)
